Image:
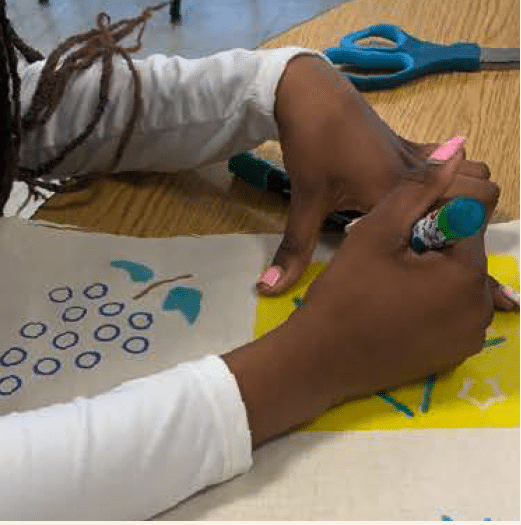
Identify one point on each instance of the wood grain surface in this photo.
(484, 106)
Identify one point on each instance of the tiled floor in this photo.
(207, 26)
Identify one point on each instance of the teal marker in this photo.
(458, 219)
(265, 175)
(261, 173)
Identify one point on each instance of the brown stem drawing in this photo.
(159, 283)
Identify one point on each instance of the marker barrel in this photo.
(460, 218)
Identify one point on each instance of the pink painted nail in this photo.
(512, 294)
(447, 149)
(271, 276)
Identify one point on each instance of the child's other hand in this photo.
(380, 316)
(340, 155)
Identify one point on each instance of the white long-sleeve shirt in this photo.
(194, 112)
(152, 442)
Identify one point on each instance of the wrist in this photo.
(309, 83)
(278, 383)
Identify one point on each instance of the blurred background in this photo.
(206, 26)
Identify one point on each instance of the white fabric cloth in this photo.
(127, 454)
(150, 443)
(195, 112)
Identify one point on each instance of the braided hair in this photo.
(77, 53)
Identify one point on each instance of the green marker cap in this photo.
(250, 169)
(461, 217)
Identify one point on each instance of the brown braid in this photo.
(77, 53)
(30, 54)
(10, 81)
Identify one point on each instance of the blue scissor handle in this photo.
(410, 57)
(388, 31)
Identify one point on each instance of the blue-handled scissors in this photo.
(410, 58)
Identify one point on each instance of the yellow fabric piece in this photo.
(482, 392)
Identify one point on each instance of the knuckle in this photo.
(496, 192)
(289, 248)
(488, 192)
(483, 170)
(491, 195)
(290, 245)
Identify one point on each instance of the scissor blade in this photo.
(499, 58)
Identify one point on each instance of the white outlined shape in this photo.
(498, 397)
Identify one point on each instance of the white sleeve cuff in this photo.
(267, 80)
(222, 392)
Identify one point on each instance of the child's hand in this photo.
(339, 155)
(400, 315)
(380, 316)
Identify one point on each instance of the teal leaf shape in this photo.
(186, 300)
(139, 273)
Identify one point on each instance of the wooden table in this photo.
(484, 106)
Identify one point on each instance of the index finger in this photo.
(395, 216)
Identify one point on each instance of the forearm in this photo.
(127, 454)
(194, 112)
(152, 442)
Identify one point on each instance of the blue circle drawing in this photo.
(96, 291)
(14, 356)
(33, 330)
(136, 345)
(140, 320)
(40, 369)
(87, 360)
(74, 313)
(106, 332)
(110, 309)
(8, 391)
(65, 340)
(60, 295)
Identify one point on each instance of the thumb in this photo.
(306, 214)
(391, 221)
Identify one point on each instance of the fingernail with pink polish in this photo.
(512, 294)
(447, 149)
(271, 276)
